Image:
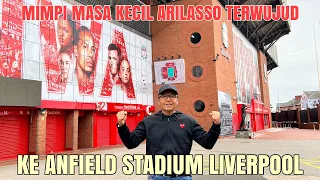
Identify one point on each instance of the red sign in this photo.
(104, 106)
(265, 111)
(249, 110)
(258, 106)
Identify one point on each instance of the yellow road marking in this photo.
(309, 164)
(312, 162)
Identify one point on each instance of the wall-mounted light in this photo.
(172, 57)
(216, 58)
(42, 111)
(179, 56)
(164, 57)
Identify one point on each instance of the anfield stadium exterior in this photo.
(54, 98)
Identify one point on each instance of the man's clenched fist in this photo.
(122, 117)
(215, 117)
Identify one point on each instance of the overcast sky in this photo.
(297, 69)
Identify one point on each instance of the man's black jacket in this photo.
(169, 135)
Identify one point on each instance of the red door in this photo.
(14, 136)
(131, 123)
(259, 122)
(103, 130)
(55, 133)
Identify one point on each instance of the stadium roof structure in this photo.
(262, 34)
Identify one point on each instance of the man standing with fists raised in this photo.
(168, 132)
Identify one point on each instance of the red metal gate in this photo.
(14, 134)
(55, 132)
(103, 130)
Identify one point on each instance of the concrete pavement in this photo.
(265, 143)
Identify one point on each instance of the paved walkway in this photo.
(267, 142)
(286, 134)
(289, 134)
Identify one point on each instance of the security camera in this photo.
(42, 111)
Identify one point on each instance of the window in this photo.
(197, 71)
(195, 38)
(199, 106)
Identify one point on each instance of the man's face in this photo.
(65, 64)
(64, 32)
(86, 52)
(124, 72)
(113, 61)
(168, 101)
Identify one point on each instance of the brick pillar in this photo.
(72, 130)
(37, 142)
(33, 132)
(88, 130)
(264, 85)
(41, 143)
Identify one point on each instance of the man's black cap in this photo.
(167, 87)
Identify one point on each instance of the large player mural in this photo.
(86, 61)
(11, 39)
(247, 69)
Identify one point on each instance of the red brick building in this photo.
(224, 68)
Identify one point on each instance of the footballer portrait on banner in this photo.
(70, 52)
(118, 70)
(64, 54)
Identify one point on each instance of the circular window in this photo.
(195, 38)
(199, 106)
(197, 71)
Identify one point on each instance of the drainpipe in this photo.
(113, 3)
